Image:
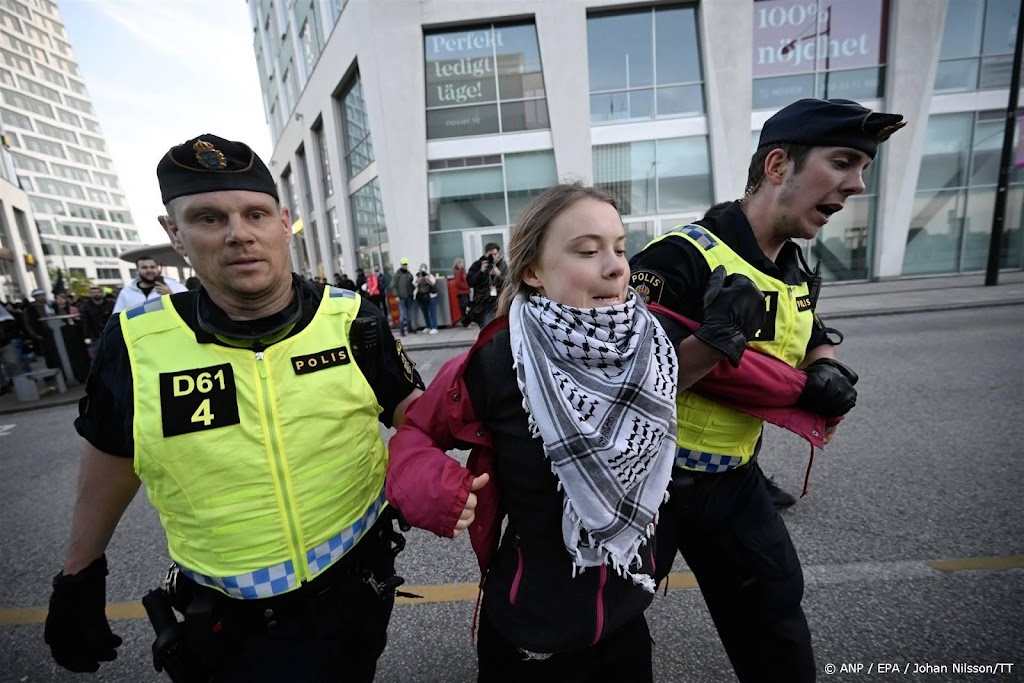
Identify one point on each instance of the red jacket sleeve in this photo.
(427, 486)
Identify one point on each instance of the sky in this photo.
(160, 72)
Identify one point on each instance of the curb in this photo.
(49, 404)
(923, 308)
(465, 344)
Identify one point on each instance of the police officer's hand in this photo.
(733, 313)
(829, 390)
(76, 626)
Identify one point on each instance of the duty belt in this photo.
(281, 578)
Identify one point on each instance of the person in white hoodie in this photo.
(149, 285)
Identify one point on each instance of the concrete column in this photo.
(562, 35)
(726, 30)
(914, 43)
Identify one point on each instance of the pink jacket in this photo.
(429, 487)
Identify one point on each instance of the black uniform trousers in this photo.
(332, 629)
(623, 655)
(741, 554)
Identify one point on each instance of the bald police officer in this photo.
(249, 409)
(810, 160)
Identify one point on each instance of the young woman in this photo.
(567, 401)
(461, 286)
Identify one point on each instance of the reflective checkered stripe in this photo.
(148, 307)
(281, 578)
(325, 554)
(336, 292)
(700, 236)
(706, 462)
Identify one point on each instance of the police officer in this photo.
(743, 278)
(249, 409)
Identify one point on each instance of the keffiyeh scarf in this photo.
(599, 389)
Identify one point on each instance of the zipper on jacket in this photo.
(301, 570)
(602, 578)
(513, 592)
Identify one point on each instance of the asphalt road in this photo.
(926, 469)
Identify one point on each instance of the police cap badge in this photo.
(830, 123)
(208, 163)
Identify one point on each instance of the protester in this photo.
(461, 286)
(567, 403)
(426, 296)
(486, 277)
(149, 285)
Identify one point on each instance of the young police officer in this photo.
(249, 408)
(811, 158)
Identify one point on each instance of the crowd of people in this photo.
(613, 409)
(26, 336)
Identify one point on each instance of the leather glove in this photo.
(733, 313)
(76, 626)
(829, 390)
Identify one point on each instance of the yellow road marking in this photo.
(995, 564)
(467, 592)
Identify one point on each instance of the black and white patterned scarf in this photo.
(599, 389)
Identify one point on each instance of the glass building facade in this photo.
(425, 138)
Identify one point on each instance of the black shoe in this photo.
(780, 499)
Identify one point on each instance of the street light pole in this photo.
(1002, 190)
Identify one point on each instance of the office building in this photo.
(58, 148)
(420, 128)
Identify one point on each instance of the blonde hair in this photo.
(459, 263)
(531, 227)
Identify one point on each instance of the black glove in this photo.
(76, 626)
(733, 313)
(829, 390)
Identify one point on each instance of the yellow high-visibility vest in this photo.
(705, 427)
(257, 462)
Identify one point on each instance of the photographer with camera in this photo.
(426, 296)
(486, 276)
(148, 286)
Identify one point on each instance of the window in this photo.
(77, 229)
(17, 119)
(16, 61)
(131, 235)
(356, 125)
(60, 188)
(120, 216)
(71, 173)
(79, 105)
(27, 163)
(54, 149)
(16, 99)
(480, 192)
(977, 45)
(79, 211)
(644, 65)
(81, 156)
(106, 180)
(69, 118)
(56, 132)
(39, 89)
(368, 224)
(325, 164)
(94, 143)
(955, 200)
(98, 196)
(485, 80)
(110, 233)
(45, 205)
(108, 274)
(655, 176)
(818, 48)
(52, 76)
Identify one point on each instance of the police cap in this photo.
(208, 163)
(830, 123)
